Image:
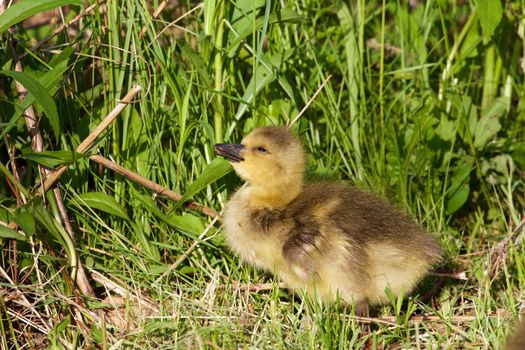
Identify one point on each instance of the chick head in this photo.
(269, 158)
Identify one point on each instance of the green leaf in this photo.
(284, 16)
(446, 129)
(105, 203)
(518, 155)
(187, 222)
(264, 75)
(503, 164)
(498, 169)
(186, 270)
(214, 171)
(41, 95)
(52, 159)
(25, 220)
(150, 205)
(469, 47)
(48, 222)
(210, 6)
(145, 242)
(457, 199)
(184, 115)
(195, 60)
(490, 13)
(26, 8)
(488, 125)
(390, 296)
(6, 232)
(399, 303)
(459, 189)
(469, 112)
(242, 17)
(49, 80)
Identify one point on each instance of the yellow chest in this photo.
(252, 243)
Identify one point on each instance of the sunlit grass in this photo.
(432, 121)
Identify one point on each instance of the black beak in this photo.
(230, 151)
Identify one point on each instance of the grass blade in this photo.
(40, 94)
(27, 8)
(105, 203)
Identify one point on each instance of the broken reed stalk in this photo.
(88, 141)
(153, 186)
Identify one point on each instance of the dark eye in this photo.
(261, 149)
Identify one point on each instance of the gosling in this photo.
(517, 339)
(328, 238)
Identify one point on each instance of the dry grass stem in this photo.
(88, 142)
(60, 28)
(156, 14)
(253, 287)
(391, 320)
(120, 288)
(310, 101)
(500, 251)
(189, 250)
(458, 275)
(153, 186)
(199, 6)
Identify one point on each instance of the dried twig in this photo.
(201, 5)
(310, 101)
(390, 49)
(119, 287)
(24, 301)
(88, 142)
(155, 187)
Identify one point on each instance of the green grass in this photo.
(423, 105)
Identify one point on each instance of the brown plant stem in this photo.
(60, 28)
(88, 141)
(37, 144)
(155, 187)
(156, 14)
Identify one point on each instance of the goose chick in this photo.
(329, 238)
(517, 339)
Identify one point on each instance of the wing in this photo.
(302, 246)
(265, 217)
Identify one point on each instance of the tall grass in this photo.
(423, 104)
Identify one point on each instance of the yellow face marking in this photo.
(273, 165)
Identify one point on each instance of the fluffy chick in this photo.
(329, 238)
(517, 340)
